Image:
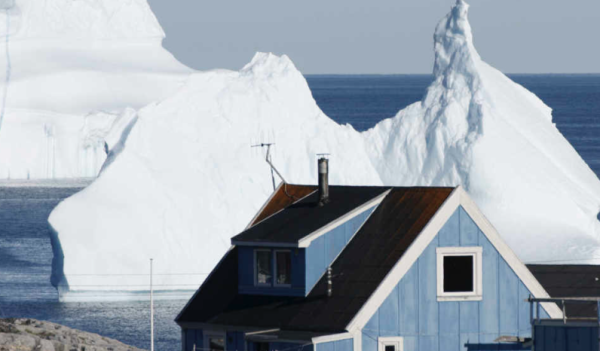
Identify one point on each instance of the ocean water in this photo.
(362, 101)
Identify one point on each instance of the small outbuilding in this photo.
(350, 268)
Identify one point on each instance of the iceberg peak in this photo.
(453, 40)
(269, 64)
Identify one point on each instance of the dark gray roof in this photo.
(358, 271)
(570, 281)
(305, 216)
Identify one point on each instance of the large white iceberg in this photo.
(186, 178)
(183, 179)
(477, 128)
(69, 70)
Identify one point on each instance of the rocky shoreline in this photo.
(25, 334)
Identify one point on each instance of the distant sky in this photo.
(380, 36)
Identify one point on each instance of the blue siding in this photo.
(559, 338)
(413, 312)
(322, 251)
(338, 345)
(308, 265)
(284, 346)
(246, 273)
(192, 337)
(235, 341)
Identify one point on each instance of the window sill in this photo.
(460, 298)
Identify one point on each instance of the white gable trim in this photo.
(403, 265)
(331, 337)
(508, 254)
(457, 197)
(305, 242)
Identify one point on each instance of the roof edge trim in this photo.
(458, 197)
(405, 262)
(305, 241)
(332, 337)
(204, 282)
(508, 254)
(262, 208)
(265, 243)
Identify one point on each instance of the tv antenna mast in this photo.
(270, 162)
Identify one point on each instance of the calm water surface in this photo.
(26, 254)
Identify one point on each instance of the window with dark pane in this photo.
(390, 348)
(458, 274)
(263, 267)
(216, 344)
(283, 263)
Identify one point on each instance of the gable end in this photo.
(457, 198)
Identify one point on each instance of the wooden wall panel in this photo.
(449, 234)
(426, 324)
(427, 303)
(489, 313)
(508, 299)
(408, 293)
(388, 315)
(469, 232)
(325, 249)
(449, 317)
(338, 345)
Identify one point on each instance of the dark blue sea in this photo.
(26, 255)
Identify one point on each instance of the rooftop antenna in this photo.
(269, 161)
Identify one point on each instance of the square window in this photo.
(459, 273)
(283, 268)
(390, 343)
(262, 268)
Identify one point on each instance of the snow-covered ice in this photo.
(68, 69)
(185, 178)
(477, 128)
(181, 177)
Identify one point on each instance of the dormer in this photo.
(298, 235)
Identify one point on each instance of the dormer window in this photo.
(262, 267)
(283, 268)
(273, 268)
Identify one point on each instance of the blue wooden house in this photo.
(344, 268)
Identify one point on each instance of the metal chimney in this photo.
(323, 180)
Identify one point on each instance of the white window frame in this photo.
(477, 293)
(275, 269)
(255, 265)
(214, 334)
(396, 341)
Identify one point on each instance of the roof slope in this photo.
(357, 272)
(571, 281)
(305, 216)
(285, 195)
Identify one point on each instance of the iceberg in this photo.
(69, 70)
(182, 176)
(477, 128)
